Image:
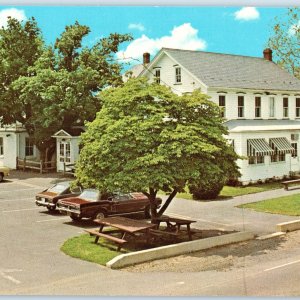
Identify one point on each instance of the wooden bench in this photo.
(177, 224)
(288, 182)
(156, 233)
(97, 234)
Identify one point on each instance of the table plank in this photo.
(125, 224)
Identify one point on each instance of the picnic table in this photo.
(120, 225)
(174, 224)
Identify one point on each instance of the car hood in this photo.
(47, 194)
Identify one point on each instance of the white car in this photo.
(4, 171)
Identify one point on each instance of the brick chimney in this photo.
(146, 58)
(268, 54)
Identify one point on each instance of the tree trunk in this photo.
(152, 198)
(153, 207)
(167, 203)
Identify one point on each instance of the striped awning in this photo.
(282, 145)
(258, 147)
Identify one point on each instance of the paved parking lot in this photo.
(31, 238)
(32, 264)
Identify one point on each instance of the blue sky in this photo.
(234, 30)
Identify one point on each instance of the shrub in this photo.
(208, 188)
(233, 182)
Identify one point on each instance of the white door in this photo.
(64, 154)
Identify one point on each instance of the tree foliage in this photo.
(47, 88)
(285, 41)
(146, 138)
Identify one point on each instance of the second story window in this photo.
(1, 146)
(157, 76)
(241, 106)
(222, 104)
(297, 107)
(257, 107)
(285, 102)
(272, 107)
(177, 75)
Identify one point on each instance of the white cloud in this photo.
(183, 37)
(247, 14)
(11, 12)
(294, 28)
(137, 26)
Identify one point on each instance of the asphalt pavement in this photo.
(32, 264)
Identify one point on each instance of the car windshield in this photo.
(92, 195)
(58, 188)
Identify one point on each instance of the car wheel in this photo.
(51, 208)
(75, 217)
(1, 177)
(100, 215)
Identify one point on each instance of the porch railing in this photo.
(41, 166)
(69, 169)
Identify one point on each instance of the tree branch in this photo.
(168, 201)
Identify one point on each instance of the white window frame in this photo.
(178, 75)
(222, 105)
(29, 147)
(297, 107)
(241, 108)
(256, 160)
(157, 76)
(65, 151)
(272, 107)
(257, 107)
(285, 107)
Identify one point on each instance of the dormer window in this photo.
(177, 75)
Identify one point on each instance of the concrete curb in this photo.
(270, 236)
(288, 226)
(129, 259)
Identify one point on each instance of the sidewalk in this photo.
(36, 178)
(225, 215)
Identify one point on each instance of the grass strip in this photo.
(287, 205)
(83, 247)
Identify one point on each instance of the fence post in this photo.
(41, 166)
(24, 164)
(64, 168)
(17, 163)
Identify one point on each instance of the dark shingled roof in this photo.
(234, 71)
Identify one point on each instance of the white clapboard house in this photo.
(15, 142)
(260, 102)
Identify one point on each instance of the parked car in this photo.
(4, 171)
(94, 205)
(50, 196)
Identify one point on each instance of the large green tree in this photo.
(285, 41)
(20, 47)
(146, 138)
(57, 87)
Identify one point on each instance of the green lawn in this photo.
(288, 205)
(83, 247)
(230, 191)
